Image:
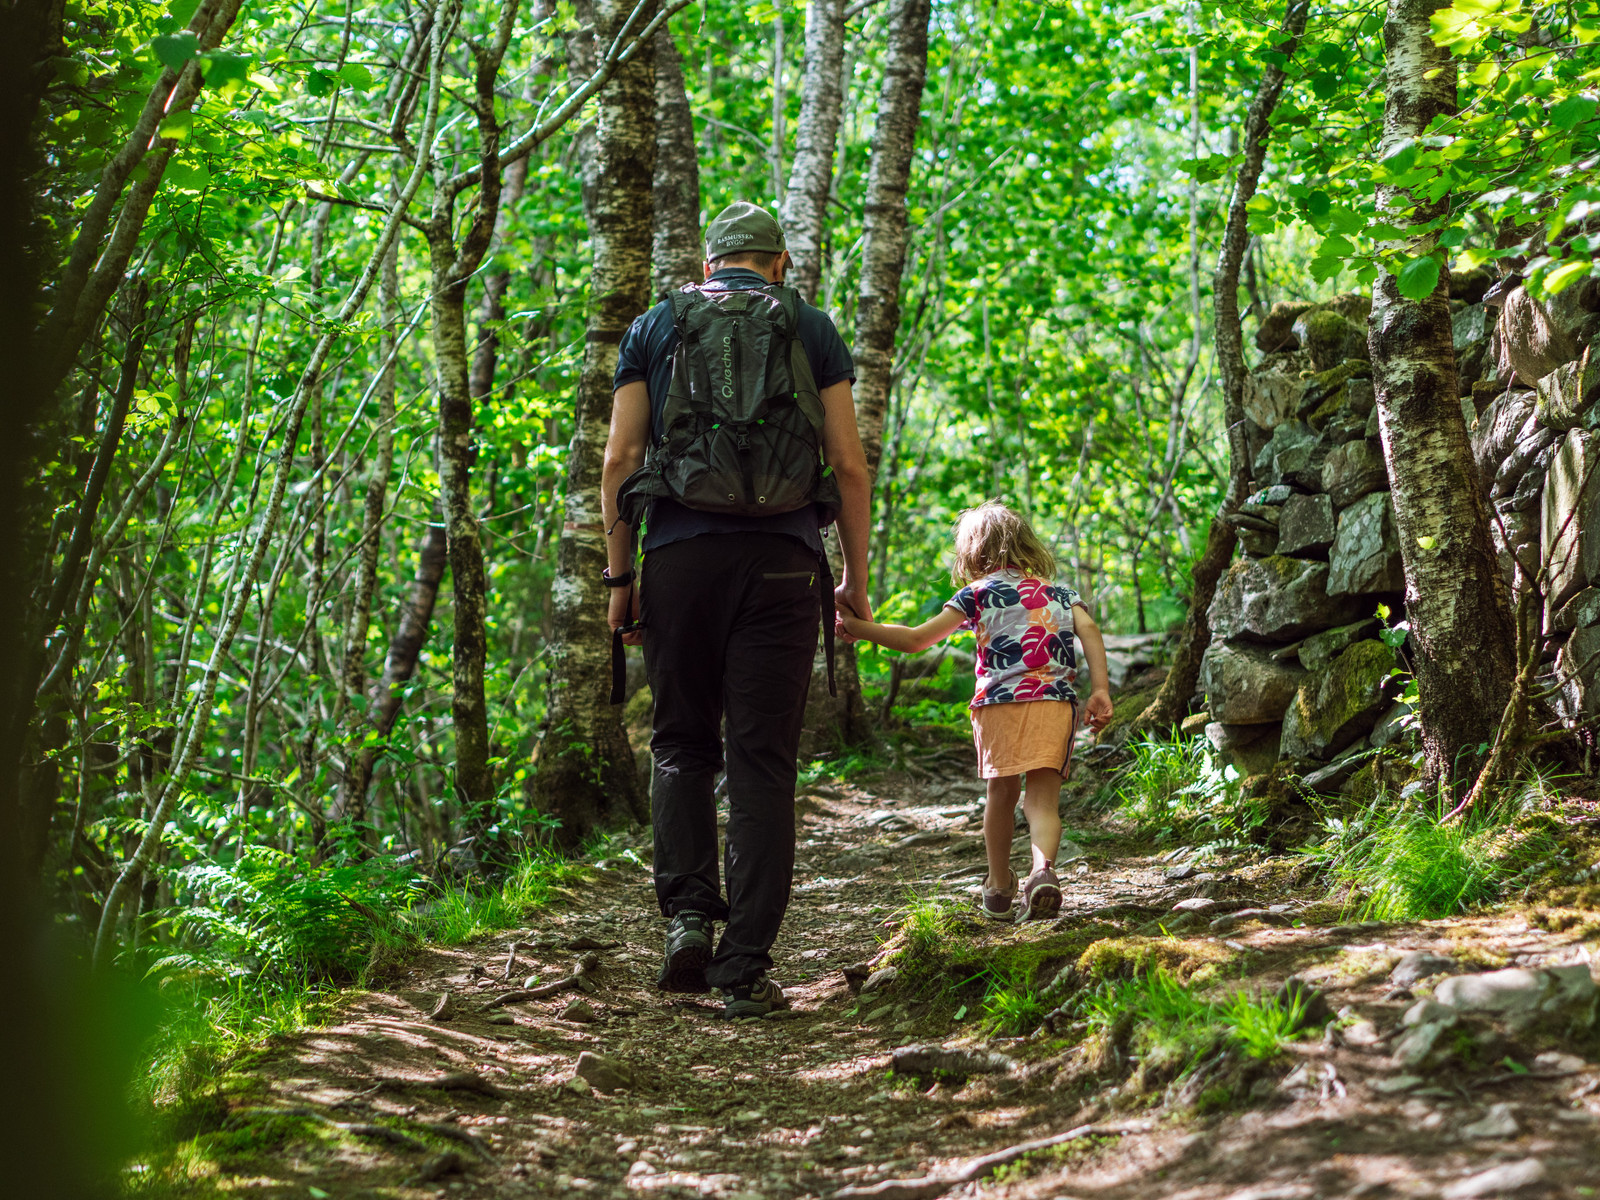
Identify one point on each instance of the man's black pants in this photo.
(730, 624)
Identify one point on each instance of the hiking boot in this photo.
(688, 952)
(754, 999)
(997, 901)
(1041, 896)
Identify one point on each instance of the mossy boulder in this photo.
(1330, 338)
(1278, 599)
(1340, 703)
(1277, 330)
(1327, 391)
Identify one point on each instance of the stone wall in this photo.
(1296, 671)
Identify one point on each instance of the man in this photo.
(729, 606)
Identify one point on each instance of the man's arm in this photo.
(625, 450)
(841, 442)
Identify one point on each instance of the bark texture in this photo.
(1172, 701)
(1456, 599)
(399, 664)
(585, 772)
(805, 206)
(677, 251)
(883, 256)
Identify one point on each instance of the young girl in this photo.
(1024, 714)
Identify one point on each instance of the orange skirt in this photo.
(1023, 736)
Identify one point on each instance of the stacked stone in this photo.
(1296, 670)
(1538, 456)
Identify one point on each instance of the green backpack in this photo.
(742, 425)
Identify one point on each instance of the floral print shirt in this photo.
(1024, 630)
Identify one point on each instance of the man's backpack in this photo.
(742, 424)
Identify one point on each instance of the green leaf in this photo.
(223, 69)
(1419, 277)
(319, 82)
(1427, 542)
(173, 50)
(316, 1192)
(177, 126)
(182, 11)
(1565, 276)
(1572, 112)
(1335, 246)
(1323, 87)
(356, 76)
(1319, 203)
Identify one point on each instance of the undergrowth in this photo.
(1174, 788)
(263, 945)
(1403, 862)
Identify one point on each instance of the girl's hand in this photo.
(853, 626)
(1098, 710)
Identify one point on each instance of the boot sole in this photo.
(1044, 903)
(685, 971)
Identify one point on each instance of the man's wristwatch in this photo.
(611, 580)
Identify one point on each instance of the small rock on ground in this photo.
(1496, 1181)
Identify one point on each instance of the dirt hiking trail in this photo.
(486, 1101)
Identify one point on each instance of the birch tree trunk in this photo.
(585, 774)
(805, 207)
(1456, 598)
(677, 251)
(883, 256)
(1172, 701)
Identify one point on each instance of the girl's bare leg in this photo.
(1000, 825)
(1042, 804)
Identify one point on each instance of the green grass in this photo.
(1174, 788)
(1404, 864)
(1011, 1002)
(927, 923)
(1173, 1025)
(458, 913)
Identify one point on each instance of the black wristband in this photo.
(611, 580)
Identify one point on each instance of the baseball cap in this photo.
(743, 228)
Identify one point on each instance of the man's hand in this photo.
(852, 599)
(1098, 710)
(624, 610)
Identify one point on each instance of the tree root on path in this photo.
(936, 1185)
(455, 1081)
(381, 1133)
(586, 964)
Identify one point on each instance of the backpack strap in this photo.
(679, 402)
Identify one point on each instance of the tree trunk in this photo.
(351, 802)
(585, 774)
(677, 251)
(883, 256)
(805, 207)
(399, 665)
(1456, 598)
(1172, 701)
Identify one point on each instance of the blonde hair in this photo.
(990, 538)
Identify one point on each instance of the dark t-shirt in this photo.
(646, 353)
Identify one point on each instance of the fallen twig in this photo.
(511, 956)
(586, 964)
(465, 1136)
(936, 1185)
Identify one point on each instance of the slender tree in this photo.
(585, 773)
(1456, 598)
(677, 251)
(1172, 701)
(805, 205)
(886, 234)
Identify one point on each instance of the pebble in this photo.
(1508, 1177)
(1396, 1083)
(500, 1019)
(605, 1073)
(579, 1010)
(1496, 1123)
(1418, 965)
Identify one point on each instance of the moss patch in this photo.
(1127, 957)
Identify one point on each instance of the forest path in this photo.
(800, 1106)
